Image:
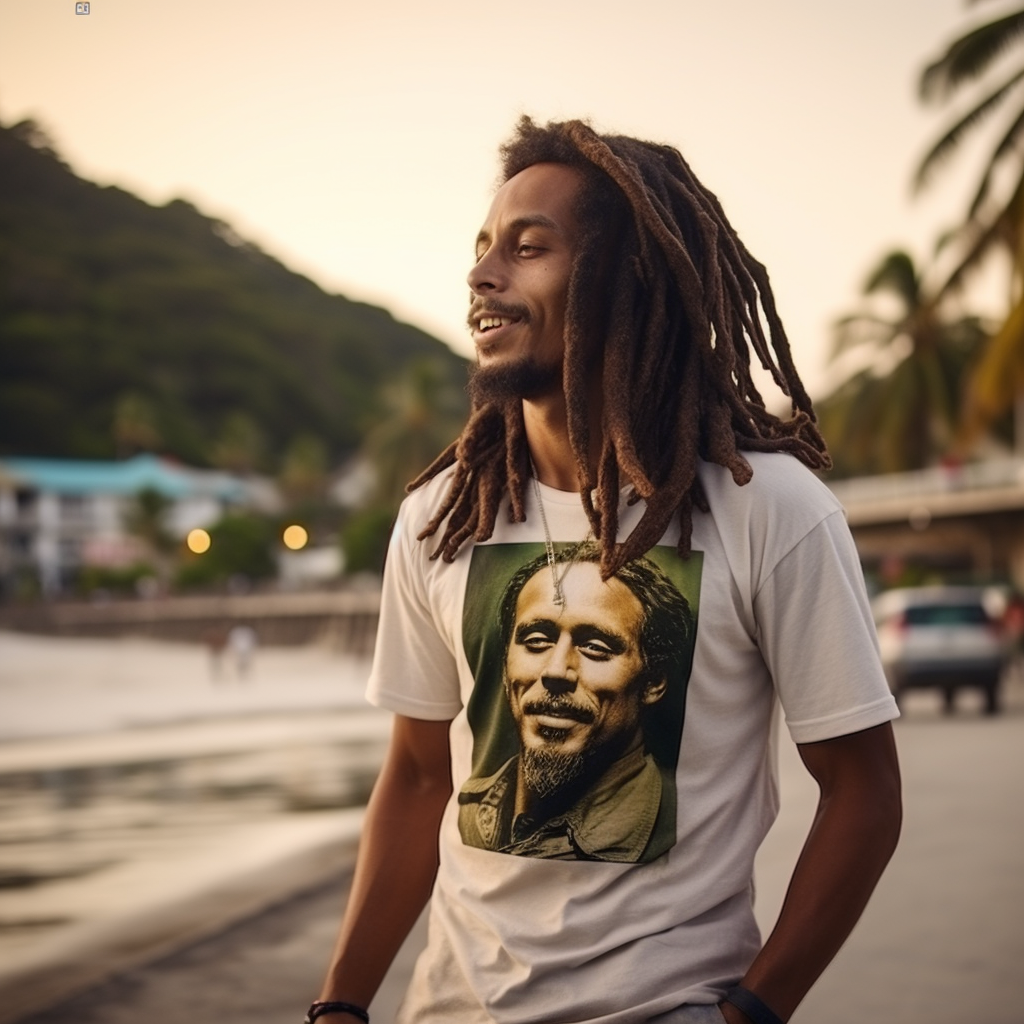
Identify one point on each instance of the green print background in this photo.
(495, 738)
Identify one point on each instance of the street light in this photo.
(198, 541)
(295, 537)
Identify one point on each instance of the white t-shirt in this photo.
(777, 594)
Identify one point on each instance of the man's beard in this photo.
(547, 772)
(521, 380)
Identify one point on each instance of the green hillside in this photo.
(127, 326)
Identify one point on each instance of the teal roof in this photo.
(79, 476)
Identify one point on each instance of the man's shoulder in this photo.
(778, 482)
(422, 503)
(417, 509)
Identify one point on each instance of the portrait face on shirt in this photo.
(577, 706)
(575, 675)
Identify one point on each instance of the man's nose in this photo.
(486, 275)
(560, 674)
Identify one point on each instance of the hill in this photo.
(126, 326)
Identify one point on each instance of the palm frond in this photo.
(1006, 145)
(969, 56)
(896, 274)
(951, 139)
(998, 376)
(983, 237)
(859, 330)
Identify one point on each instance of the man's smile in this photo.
(492, 319)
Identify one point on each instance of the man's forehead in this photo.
(587, 594)
(543, 193)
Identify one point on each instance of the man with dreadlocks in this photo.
(613, 309)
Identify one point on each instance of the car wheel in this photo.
(949, 700)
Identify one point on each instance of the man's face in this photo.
(574, 673)
(520, 281)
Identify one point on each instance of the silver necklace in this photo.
(549, 545)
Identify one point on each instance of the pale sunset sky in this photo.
(357, 141)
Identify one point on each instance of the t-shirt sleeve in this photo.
(817, 637)
(414, 670)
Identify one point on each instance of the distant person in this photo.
(615, 314)
(580, 679)
(242, 644)
(216, 641)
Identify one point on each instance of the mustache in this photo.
(496, 308)
(560, 708)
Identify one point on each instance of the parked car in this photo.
(943, 637)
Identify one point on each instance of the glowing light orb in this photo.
(295, 537)
(198, 541)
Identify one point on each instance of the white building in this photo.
(59, 515)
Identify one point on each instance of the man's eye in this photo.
(528, 250)
(595, 650)
(536, 642)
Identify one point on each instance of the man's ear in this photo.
(654, 690)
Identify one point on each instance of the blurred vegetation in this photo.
(364, 539)
(108, 579)
(906, 417)
(943, 384)
(241, 550)
(986, 64)
(126, 327)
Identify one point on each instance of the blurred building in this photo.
(958, 522)
(58, 516)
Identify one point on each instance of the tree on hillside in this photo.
(146, 519)
(241, 446)
(303, 476)
(995, 217)
(905, 415)
(135, 425)
(422, 412)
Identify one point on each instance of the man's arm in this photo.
(851, 840)
(397, 861)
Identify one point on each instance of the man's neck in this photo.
(547, 435)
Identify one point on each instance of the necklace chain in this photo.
(549, 546)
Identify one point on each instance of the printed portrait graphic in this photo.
(579, 698)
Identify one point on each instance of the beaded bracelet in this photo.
(321, 1006)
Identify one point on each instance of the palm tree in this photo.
(904, 415)
(995, 216)
(423, 410)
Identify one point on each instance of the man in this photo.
(613, 309)
(580, 677)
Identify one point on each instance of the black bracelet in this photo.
(756, 1009)
(320, 1007)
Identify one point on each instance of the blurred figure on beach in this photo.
(242, 645)
(237, 643)
(216, 640)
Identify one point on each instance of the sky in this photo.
(357, 142)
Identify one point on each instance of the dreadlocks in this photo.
(677, 308)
